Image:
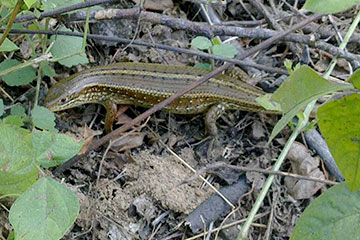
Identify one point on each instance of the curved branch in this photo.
(214, 30)
(159, 46)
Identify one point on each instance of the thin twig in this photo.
(59, 11)
(215, 30)
(160, 46)
(265, 171)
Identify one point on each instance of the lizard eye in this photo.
(63, 100)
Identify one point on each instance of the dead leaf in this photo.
(257, 130)
(303, 163)
(88, 135)
(130, 141)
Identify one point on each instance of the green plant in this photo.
(214, 46)
(43, 208)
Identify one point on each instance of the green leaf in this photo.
(339, 124)
(20, 77)
(43, 118)
(11, 236)
(37, 13)
(19, 181)
(18, 26)
(15, 120)
(329, 6)
(205, 66)
(2, 107)
(17, 171)
(30, 3)
(8, 3)
(17, 110)
(216, 41)
(224, 50)
(303, 86)
(65, 45)
(201, 43)
(48, 71)
(299, 89)
(50, 5)
(8, 46)
(355, 79)
(52, 149)
(289, 66)
(333, 215)
(46, 211)
(266, 102)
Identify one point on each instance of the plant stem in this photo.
(42, 58)
(343, 44)
(301, 124)
(42, 64)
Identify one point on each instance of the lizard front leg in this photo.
(211, 116)
(111, 110)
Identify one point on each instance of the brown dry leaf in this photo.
(257, 179)
(88, 132)
(122, 109)
(303, 163)
(119, 160)
(123, 118)
(130, 141)
(88, 135)
(85, 145)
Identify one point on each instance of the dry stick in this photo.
(11, 21)
(283, 15)
(187, 25)
(205, 29)
(270, 220)
(59, 11)
(160, 46)
(162, 104)
(260, 170)
(216, 30)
